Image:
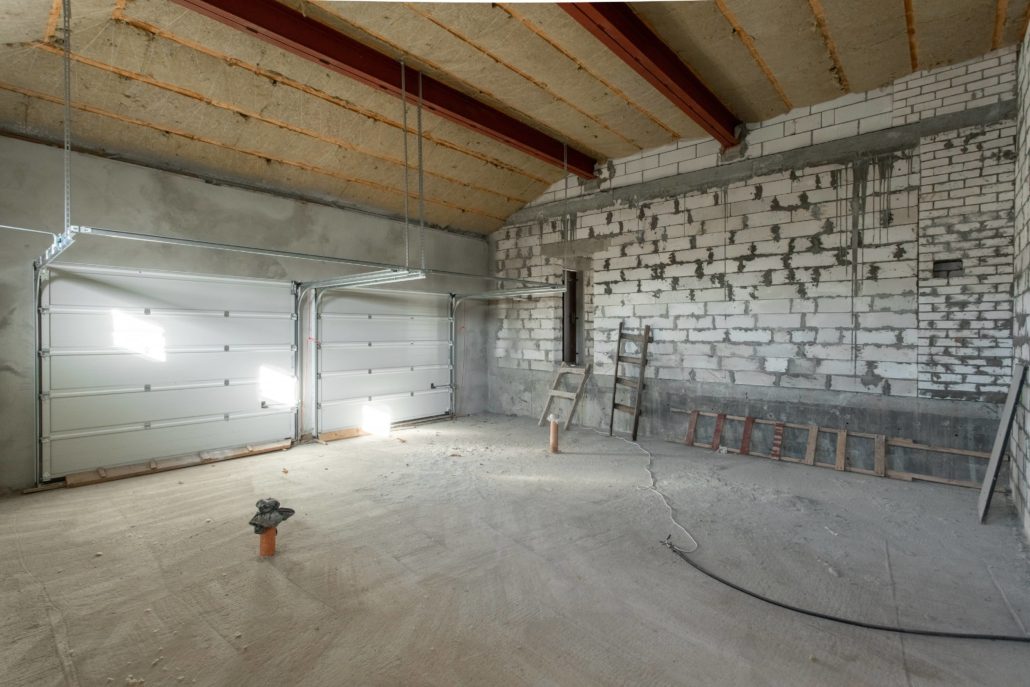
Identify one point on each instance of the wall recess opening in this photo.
(942, 269)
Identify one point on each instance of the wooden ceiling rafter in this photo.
(257, 116)
(618, 27)
(475, 45)
(1001, 9)
(831, 46)
(913, 40)
(322, 95)
(292, 31)
(585, 67)
(749, 43)
(188, 135)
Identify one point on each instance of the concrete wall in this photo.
(792, 278)
(131, 198)
(1019, 445)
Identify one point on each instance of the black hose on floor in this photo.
(837, 619)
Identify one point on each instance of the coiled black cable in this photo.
(837, 619)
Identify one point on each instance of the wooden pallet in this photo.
(556, 392)
(881, 443)
(637, 385)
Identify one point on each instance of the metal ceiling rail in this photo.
(63, 241)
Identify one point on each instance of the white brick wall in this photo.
(966, 212)
(1019, 446)
(982, 81)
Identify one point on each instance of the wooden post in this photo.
(717, 435)
(267, 547)
(880, 455)
(691, 429)
(745, 440)
(554, 435)
(842, 445)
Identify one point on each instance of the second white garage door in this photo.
(382, 356)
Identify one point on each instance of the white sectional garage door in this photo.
(384, 354)
(142, 365)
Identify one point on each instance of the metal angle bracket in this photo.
(62, 242)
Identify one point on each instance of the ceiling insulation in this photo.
(159, 84)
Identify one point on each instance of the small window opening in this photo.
(942, 269)
(570, 318)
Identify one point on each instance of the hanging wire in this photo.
(421, 182)
(566, 220)
(66, 25)
(407, 167)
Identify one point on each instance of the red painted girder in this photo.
(625, 34)
(296, 33)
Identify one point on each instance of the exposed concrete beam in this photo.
(854, 148)
(292, 31)
(626, 35)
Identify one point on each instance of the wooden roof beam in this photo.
(318, 43)
(626, 35)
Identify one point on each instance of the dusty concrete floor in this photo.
(463, 554)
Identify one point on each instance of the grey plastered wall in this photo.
(127, 197)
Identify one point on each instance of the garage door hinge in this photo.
(44, 310)
(44, 396)
(44, 352)
(318, 376)
(146, 425)
(318, 406)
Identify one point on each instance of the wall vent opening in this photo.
(942, 269)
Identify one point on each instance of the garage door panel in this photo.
(339, 358)
(81, 371)
(336, 387)
(94, 411)
(143, 365)
(343, 330)
(112, 288)
(353, 301)
(73, 454)
(124, 330)
(348, 414)
(404, 370)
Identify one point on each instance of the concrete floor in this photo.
(463, 554)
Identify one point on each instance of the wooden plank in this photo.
(562, 394)
(880, 455)
(908, 443)
(691, 429)
(777, 443)
(80, 479)
(631, 359)
(625, 408)
(342, 434)
(1001, 440)
(913, 477)
(615, 387)
(626, 381)
(547, 405)
(842, 447)
(717, 435)
(579, 394)
(639, 400)
(745, 439)
(813, 439)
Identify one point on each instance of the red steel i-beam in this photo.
(314, 41)
(625, 34)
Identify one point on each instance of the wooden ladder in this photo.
(640, 360)
(555, 392)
